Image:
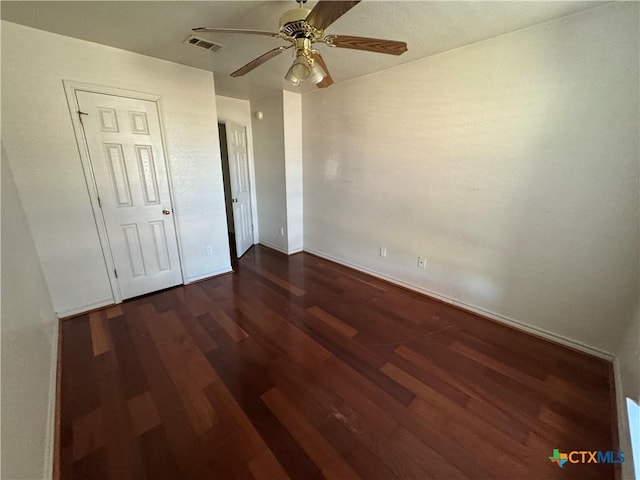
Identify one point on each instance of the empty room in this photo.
(330, 239)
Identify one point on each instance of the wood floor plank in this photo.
(78, 376)
(187, 367)
(441, 412)
(228, 460)
(430, 461)
(321, 452)
(234, 330)
(157, 456)
(264, 318)
(277, 280)
(100, 336)
(401, 464)
(342, 272)
(318, 404)
(354, 354)
(368, 465)
(132, 375)
(302, 348)
(266, 467)
(332, 321)
(357, 391)
(220, 397)
(469, 439)
(92, 466)
(294, 367)
(87, 434)
(471, 399)
(143, 413)
(185, 445)
(247, 394)
(123, 460)
(197, 333)
(114, 311)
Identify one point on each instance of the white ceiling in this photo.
(158, 28)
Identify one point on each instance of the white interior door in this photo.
(125, 148)
(240, 189)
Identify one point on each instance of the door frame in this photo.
(70, 88)
(252, 186)
(252, 194)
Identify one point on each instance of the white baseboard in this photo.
(293, 252)
(209, 275)
(274, 247)
(50, 432)
(540, 332)
(85, 308)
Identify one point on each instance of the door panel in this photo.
(125, 148)
(240, 186)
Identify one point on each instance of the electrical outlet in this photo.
(383, 251)
(209, 250)
(422, 263)
(282, 231)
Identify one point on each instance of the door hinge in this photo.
(115, 272)
(99, 202)
(80, 113)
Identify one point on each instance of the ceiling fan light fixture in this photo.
(301, 67)
(317, 73)
(291, 77)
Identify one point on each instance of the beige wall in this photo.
(510, 164)
(29, 345)
(39, 138)
(292, 111)
(268, 143)
(278, 165)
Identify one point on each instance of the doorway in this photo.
(237, 188)
(123, 157)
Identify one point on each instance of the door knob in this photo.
(166, 212)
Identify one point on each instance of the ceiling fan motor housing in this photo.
(292, 23)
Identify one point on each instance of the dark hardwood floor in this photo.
(300, 368)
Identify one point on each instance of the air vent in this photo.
(202, 43)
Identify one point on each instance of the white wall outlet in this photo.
(209, 250)
(282, 231)
(422, 263)
(383, 251)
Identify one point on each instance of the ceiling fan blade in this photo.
(326, 81)
(234, 30)
(328, 11)
(377, 45)
(259, 61)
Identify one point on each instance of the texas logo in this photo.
(559, 458)
(585, 456)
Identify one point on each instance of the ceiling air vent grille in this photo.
(202, 43)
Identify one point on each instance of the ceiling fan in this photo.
(302, 28)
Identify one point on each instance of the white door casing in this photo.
(240, 186)
(124, 143)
